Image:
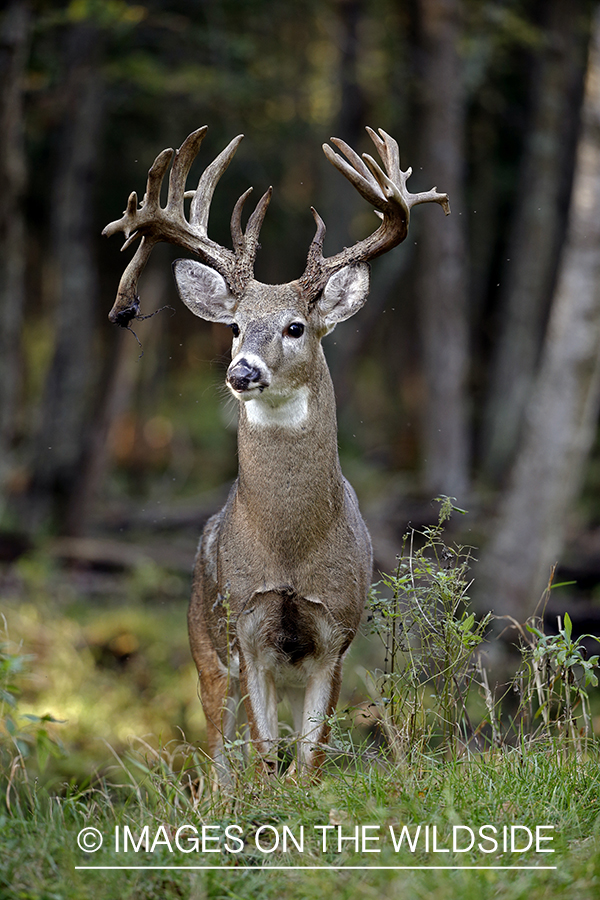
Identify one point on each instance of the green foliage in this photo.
(430, 636)
(22, 734)
(109, 670)
(40, 852)
(556, 673)
(433, 673)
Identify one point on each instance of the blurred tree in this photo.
(66, 407)
(130, 78)
(537, 227)
(442, 282)
(341, 206)
(562, 412)
(15, 26)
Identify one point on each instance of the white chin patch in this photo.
(272, 410)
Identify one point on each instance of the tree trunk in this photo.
(538, 229)
(442, 276)
(14, 40)
(563, 409)
(66, 402)
(340, 204)
(118, 382)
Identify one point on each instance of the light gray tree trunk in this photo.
(14, 41)
(442, 277)
(562, 413)
(538, 227)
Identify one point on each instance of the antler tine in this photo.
(317, 241)
(237, 235)
(122, 224)
(131, 218)
(255, 222)
(314, 261)
(366, 186)
(431, 196)
(184, 157)
(352, 156)
(377, 140)
(209, 179)
(127, 303)
(385, 190)
(156, 173)
(247, 242)
(388, 149)
(245, 245)
(389, 187)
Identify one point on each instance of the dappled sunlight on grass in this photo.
(106, 673)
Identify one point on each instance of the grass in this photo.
(40, 852)
(446, 763)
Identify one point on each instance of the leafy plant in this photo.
(21, 734)
(556, 673)
(430, 636)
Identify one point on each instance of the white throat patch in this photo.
(272, 410)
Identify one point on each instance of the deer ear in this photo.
(204, 291)
(344, 294)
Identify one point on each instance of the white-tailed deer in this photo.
(283, 570)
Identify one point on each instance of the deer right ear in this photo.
(204, 291)
(344, 294)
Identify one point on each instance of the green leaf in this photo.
(42, 741)
(10, 726)
(8, 697)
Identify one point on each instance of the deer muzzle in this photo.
(243, 376)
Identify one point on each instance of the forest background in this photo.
(473, 370)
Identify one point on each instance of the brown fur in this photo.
(283, 569)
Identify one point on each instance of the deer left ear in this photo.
(344, 294)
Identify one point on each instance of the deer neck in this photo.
(289, 468)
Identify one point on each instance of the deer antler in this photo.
(385, 190)
(154, 223)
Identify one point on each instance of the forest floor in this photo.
(99, 698)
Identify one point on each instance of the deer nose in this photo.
(243, 376)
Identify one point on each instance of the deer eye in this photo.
(295, 330)
(236, 329)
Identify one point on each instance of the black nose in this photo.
(242, 376)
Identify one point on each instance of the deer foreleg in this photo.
(320, 699)
(219, 702)
(259, 695)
